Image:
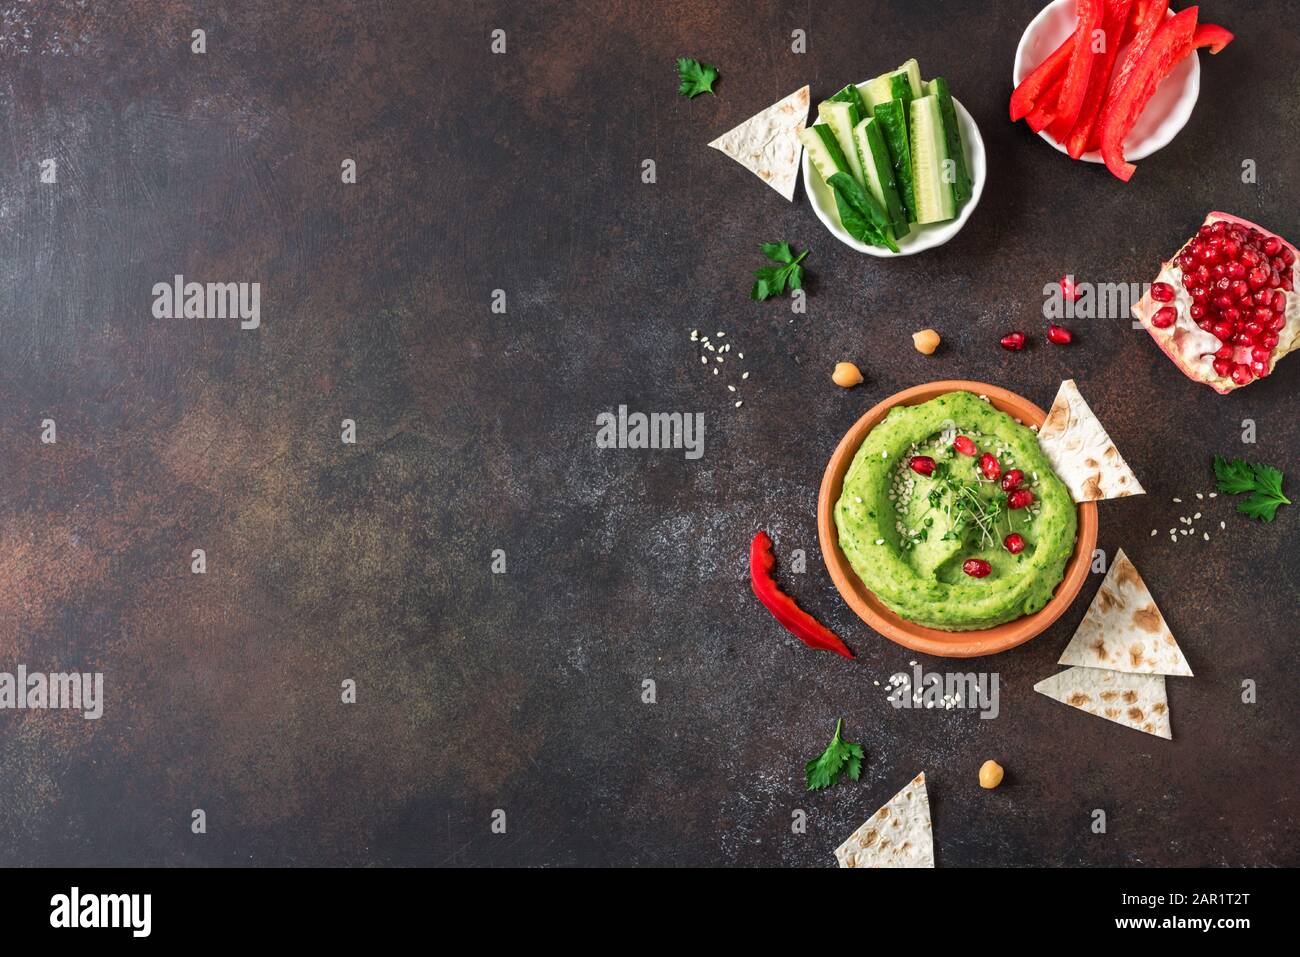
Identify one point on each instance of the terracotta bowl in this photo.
(932, 641)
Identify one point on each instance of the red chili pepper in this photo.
(793, 618)
(1212, 36)
(1041, 78)
(1147, 17)
(1075, 85)
(1116, 20)
(1171, 43)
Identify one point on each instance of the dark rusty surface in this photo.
(476, 431)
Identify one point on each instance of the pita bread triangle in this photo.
(1135, 701)
(898, 835)
(1081, 452)
(767, 144)
(1123, 629)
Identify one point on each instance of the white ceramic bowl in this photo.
(1164, 116)
(921, 237)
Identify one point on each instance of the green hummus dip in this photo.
(907, 535)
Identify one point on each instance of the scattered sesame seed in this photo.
(1223, 525)
(1153, 532)
(731, 388)
(744, 375)
(1179, 501)
(715, 371)
(695, 335)
(1206, 536)
(739, 403)
(719, 358)
(884, 454)
(880, 541)
(704, 359)
(1214, 495)
(721, 334)
(1197, 515)
(1199, 495)
(740, 354)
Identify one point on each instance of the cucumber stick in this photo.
(851, 94)
(881, 89)
(824, 150)
(841, 117)
(893, 128)
(961, 183)
(931, 168)
(878, 169)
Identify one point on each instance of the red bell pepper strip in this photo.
(1082, 57)
(1044, 110)
(1040, 79)
(1212, 36)
(1148, 15)
(1116, 20)
(793, 618)
(1171, 43)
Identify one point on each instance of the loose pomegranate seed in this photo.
(1020, 498)
(1015, 341)
(921, 464)
(976, 567)
(963, 445)
(1162, 291)
(1012, 479)
(990, 467)
(1014, 543)
(1060, 335)
(1241, 373)
(1068, 289)
(1166, 316)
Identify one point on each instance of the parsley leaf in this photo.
(1262, 482)
(838, 757)
(696, 77)
(773, 280)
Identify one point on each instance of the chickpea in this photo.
(926, 341)
(846, 375)
(990, 775)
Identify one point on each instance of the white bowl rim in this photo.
(1169, 127)
(926, 237)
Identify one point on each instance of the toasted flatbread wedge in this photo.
(898, 835)
(1081, 452)
(767, 144)
(1123, 629)
(1135, 701)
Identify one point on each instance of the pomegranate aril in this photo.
(1166, 315)
(1252, 329)
(1224, 352)
(1231, 250)
(1196, 309)
(1268, 341)
(1222, 366)
(1014, 543)
(1276, 323)
(1259, 367)
(1231, 314)
(1261, 353)
(1012, 479)
(1015, 341)
(1222, 330)
(1288, 255)
(1241, 373)
(1263, 315)
(990, 467)
(1162, 291)
(1061, 335)
(1279, 264)
(1258, 278)
(1068, 289)
(976, 567)
(1020, 498)
(1272, 246)
(1279, 300)
(1199, 293)
(921, 464)
(964, 445)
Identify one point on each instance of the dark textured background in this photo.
(372, 562)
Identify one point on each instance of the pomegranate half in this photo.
(1224, 307)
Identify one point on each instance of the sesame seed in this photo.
(1214, 495)
(1153, 532)
(1206, 536)
(1179, 501)
(704, 359)
(715, 371)
(1197, 515)
(1223, 525)
(740, 354)
(695, 335)
(731, 388)
(721, 334)
(744, 375)
(1199, 495)
(739, 403)
(719, 358)
(880, 541)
